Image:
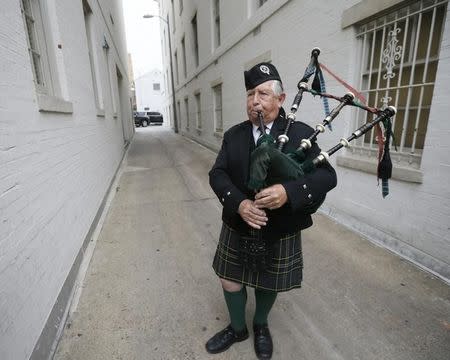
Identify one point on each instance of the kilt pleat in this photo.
(284, 273)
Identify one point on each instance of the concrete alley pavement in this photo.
(150, 292)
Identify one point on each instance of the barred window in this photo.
(218, 123)
(399, 55)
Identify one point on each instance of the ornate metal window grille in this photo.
(399, 55)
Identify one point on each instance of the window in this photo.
(93, 59)
(111, 81)
(186, 107)
(176, 66)
(399, 55)
(38, 37)
(167, 82)
(183, 50)
(218, 124)
(195, 39)
(163, 41)
(216, 22)
(173, 17)
(179, 110)
(47, 71)
(156, 86)
(199, 112)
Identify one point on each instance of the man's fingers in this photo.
(254, 210)
(255, 219)
(261, 220)
(261, 195)
(263, 202)
(253, 225)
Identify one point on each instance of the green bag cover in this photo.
(269, 166)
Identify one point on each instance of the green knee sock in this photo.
(264, 302)
(236, 307)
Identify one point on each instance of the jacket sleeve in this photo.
(219, 179)
(313, 187)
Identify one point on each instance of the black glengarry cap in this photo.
(259, 74)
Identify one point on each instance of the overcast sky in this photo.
(143, 35)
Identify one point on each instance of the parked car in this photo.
(145, 118)
(155, 117)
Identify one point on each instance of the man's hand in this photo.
(272, 197)
(252, 215)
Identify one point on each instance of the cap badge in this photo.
(264, 69)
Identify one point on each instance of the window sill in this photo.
(370, 166)
(100, 113)
(218, 134)
(55, 104)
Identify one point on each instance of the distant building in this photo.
(132, 84)
(396, 52)
(149, 91)
(65, 122)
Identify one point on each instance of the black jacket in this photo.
(230, 174)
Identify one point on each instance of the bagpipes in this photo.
(269, 165)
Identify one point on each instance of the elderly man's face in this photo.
(262, 98)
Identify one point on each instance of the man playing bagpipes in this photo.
(270, 218)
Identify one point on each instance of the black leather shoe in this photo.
(263, 342)
(224, 339)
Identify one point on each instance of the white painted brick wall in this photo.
(54, 168)
(413, 220)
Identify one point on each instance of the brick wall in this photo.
(55, 168)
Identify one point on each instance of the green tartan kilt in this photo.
(284, 273)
